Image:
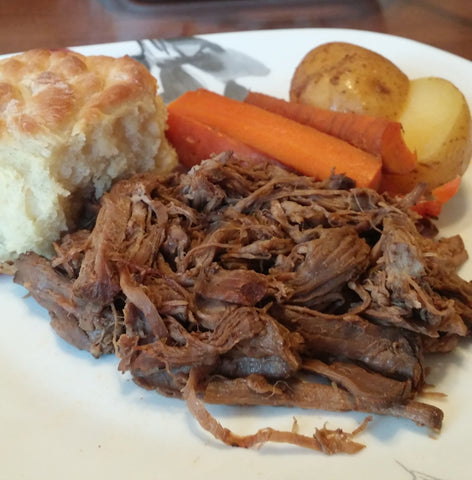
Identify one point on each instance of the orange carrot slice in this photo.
(428, 208)
(194, 141)
(440, 196)
(303, 148)
(375, 135)
(446, 191)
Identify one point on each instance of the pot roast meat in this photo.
(229, 282)
(409, 283)
(84, 324)
(242, 287)
(392, 352)
(97, 279)
(244, 340)
(323, 440)
(312, 395)
(317, 270)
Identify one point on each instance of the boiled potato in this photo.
(434, 114)
(345, 77)
(437, 124)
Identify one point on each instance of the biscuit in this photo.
(69, 126)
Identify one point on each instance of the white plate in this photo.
(64, 414)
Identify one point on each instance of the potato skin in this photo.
(345, 77)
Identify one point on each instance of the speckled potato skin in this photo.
(345, 77)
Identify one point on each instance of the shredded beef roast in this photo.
(249, 284)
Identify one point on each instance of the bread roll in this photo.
(69, 126)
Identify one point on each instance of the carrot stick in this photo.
(440, 196)
(397, 184)
(447, 190)
(195, 141)
(375, 135)
(428, 208)
(303, 148)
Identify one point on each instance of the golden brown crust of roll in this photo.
(55, 88)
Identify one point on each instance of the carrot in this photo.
(195, 141)
(439, 196)
(447, 190)
(428, 208)
(397, 184)
(303, 148)
(375, 135)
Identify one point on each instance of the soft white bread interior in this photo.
(69, 126)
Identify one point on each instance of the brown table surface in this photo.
(58, 23)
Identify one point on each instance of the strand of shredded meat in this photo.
(248, 284)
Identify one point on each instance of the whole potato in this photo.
(437, 124)
(345, 77)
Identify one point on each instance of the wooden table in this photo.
(57, 23)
